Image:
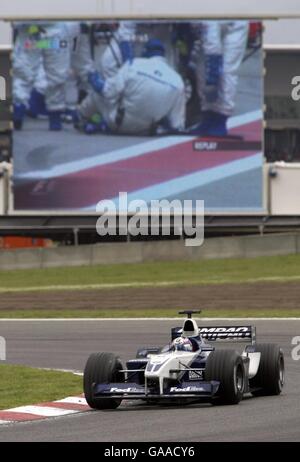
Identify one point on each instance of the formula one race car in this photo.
(188, 369)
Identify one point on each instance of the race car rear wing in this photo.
(223, 333)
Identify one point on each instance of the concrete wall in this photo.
(285, 188)
(137, 252)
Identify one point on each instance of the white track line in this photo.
(243, 119)
(42, 411)
(91, 286)
(103, 159)
(46, 410)
(194, 180)
(72, 400)
(70, 371)
(129, 152)
(147, 284)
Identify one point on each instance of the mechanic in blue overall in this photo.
(143, 93)
(104, 48)
(39, 44)
(217, 65)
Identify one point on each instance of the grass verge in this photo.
(22, 385)
(279, 268)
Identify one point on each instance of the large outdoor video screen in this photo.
(157, 109)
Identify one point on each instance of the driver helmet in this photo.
(182, 344)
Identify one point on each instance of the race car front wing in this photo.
(189, 390)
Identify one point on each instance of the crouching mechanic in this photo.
(142, 95)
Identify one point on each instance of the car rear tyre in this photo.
(269, 379)
(226, 367)
(101, 368)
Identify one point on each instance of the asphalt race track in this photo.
(67, 344)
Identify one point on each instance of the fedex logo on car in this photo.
(183, 390)
(124, 390)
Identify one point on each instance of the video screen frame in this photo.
(205, 147)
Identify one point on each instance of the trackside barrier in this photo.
(137, 252)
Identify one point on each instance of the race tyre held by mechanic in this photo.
(269, 379)
(226, 366)
(102, 368)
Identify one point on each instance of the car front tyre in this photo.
(270, 376)
(101, 368)
(226, 367)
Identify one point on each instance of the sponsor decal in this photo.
(193, 375)
(156, 362)
(225, 331)
(150, 367)
(125, 390)
(45, 44)
(185, 389)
